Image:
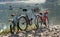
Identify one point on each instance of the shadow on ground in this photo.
(14, 35)
(37, 33)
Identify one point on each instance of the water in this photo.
(54, 14)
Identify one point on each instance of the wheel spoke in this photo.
(22, 23)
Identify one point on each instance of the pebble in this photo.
(52, 32)
(20, 34)
(1, 35)
(49, 36)
(33, 31)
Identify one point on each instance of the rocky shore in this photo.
(52, 31)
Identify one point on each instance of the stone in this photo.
(49, 36)
(30, 35)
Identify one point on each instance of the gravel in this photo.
(53, 31)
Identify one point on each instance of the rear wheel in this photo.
(38, 22)
(11, 29)
(23, 23)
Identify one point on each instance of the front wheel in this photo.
(23, 23)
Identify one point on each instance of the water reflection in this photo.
(3, 27)
(1, 30)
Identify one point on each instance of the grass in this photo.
(6, 31)
(30, 27)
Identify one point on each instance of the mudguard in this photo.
(21, 16)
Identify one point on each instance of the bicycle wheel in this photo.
(23, 23)
(11, 29)
(47, 24)
(36, 22)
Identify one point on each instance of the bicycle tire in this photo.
(26, 24)
(36, 22)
